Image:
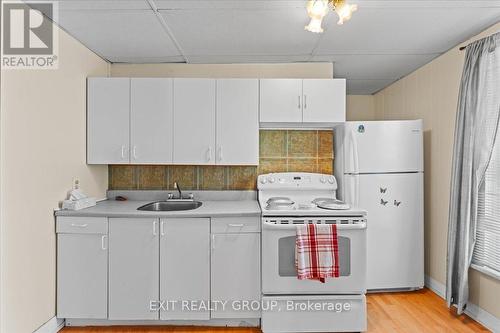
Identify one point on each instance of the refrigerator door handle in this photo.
(355, 165)
(355, 151)
(356, 191)
(353, 190)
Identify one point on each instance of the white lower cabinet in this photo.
(82, 268)
(185, 268)
(235, 280)
(133, 268)
(124, 268)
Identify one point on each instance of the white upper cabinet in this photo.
(151, 120)
(323, 100)
(237, 122)
(307, 102)
(200, 121)
(194, 121)
(281, 100)
(108, 111)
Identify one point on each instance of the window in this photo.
(486, 256)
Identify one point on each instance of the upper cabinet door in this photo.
(324, 100)
(194, 121)
(108, 111)
(237, 122)
(281, 100)
(151, 120)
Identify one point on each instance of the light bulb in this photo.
(314, 26)
(317, 8)
(345, 11)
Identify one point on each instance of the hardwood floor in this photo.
(420, 311)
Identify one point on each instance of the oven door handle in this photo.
(357, 226)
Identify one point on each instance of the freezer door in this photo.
(395, 228)
(383, 146)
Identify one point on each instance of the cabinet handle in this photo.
(134, 152)
(239, 225)
(220, 153)
(154, 228)
(162, 228)
(305, 101)
(213, 242)
(298, 105)
(79, 225)
(103, 242)
(123, 152)
(209, 153)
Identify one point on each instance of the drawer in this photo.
(235, 224)
(334, 313)
(81, 225)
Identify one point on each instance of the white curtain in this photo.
(475, 132)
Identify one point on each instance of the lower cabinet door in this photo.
(82, 276)
(133, 268)
(185, 269)
(235, 280)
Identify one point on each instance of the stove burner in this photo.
(279, 207)
(279, 201)
(330, 203)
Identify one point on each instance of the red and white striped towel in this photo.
(317, 251)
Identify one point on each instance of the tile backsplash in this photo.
(280, 151)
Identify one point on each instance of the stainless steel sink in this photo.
(162, 206)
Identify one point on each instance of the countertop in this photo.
(219, 208)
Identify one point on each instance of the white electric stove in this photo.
(339, 304)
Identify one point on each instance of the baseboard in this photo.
(475, 312)
(54, 325)
(435, 286)
(484, 317)
(249, 322)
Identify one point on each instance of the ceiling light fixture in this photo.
(343, 10)
(317, 10)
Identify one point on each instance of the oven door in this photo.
(279, 275)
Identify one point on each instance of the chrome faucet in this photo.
(176, 186)
(189, 197)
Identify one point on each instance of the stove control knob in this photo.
(322, 180)
(281, 180)
(331, 180)
(263, 181)
(270, 180)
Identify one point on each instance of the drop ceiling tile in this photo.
(100, 4)
(232, 59)
(366, 86)
(229, 4)
(120, 34)
(369, 66)
(146, 60)
(419, 30)
(241, 32)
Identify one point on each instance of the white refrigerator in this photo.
(379, 167)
